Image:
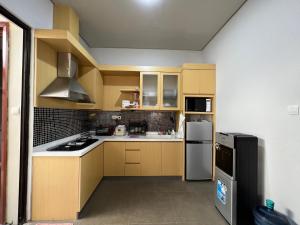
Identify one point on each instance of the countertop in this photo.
(41, 150)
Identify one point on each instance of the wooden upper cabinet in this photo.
(170, 91)
(65, 18)
(160, 91)
(150, 90)
(91, 80)
(46, 72)
(198, 82)
(114, 158)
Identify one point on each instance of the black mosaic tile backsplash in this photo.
(53, 124)
(157, 121)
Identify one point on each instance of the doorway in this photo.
(3, 116)
(18, 202)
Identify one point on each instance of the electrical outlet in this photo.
(115, 117)
(293, 109)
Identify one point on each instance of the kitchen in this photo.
(136, 139)
(93, 122)
(123, 130)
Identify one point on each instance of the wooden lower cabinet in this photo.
(151, 159)
(62, 185)
(172, 159)
(55, 188)
(132, 156)
(101, 161)
(133, 169)
(143, 159)
(91, 167)
(114, 158)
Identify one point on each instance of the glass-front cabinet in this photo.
(150, 90)
(159, 91)
(170, 91)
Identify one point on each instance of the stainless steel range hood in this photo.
(65, 86)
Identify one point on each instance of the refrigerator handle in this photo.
(194, 142)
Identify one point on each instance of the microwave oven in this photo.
(197, 104)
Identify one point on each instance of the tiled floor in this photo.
(152, 201)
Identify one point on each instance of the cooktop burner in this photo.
(76, 145)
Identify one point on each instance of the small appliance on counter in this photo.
(137, 127)
(105, 131)
(120, 130)
(236, 177)
(198, 150)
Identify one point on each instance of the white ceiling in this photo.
(152, 24)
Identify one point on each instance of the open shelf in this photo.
(130, 109)
(199, 113)
(64, 41)
(130, 90)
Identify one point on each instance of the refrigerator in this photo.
(198, 149)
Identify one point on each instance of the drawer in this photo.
(132, 169)
(133, 145)
(132, 156)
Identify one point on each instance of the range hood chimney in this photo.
(65, 86)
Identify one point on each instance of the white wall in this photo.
(258, 76)
(35, 13)
(14, 119)
(145, 57)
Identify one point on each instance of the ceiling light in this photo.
(149, 2)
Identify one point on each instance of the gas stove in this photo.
(75, 145)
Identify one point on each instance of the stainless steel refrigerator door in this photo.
(198, 131)
(199, 161)
(225, 196)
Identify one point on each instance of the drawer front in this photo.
(132, 170)
(133, 145)
(132, 156)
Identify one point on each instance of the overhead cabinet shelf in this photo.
(138, 69)
(64, 41)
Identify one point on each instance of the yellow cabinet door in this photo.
(151, 159)
(170, 91)
(89, 174)
(55, 188)
(199, 82)
(132, 156)
(101, 162)
(150, 90)
(133, 170)
(172, 159)
(114, 158)
(190, 84)
(207, 81)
